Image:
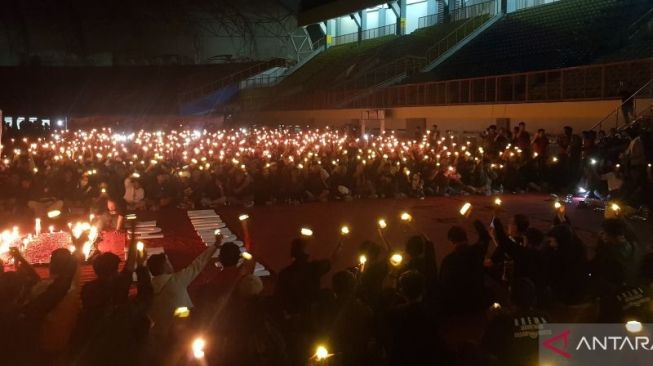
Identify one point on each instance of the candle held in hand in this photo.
(396, 259)
(344, 230)
(465, 210)
(382, 224)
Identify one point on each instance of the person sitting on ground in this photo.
(42, 200)
(113, 217)
(134, 194)
(317, 188)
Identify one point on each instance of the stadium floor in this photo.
(273, 227)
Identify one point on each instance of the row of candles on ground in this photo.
(13, 238)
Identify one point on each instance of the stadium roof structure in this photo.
(315, 11)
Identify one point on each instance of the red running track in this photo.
(273, 227)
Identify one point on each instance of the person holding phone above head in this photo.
(171, 288)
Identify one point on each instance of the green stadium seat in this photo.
(560, 34)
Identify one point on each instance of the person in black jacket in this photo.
(21, 321)
(462, 275)
(525, 252)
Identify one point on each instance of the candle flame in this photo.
(306, 231)
(405, 216)
(396, 259)
(198, 347)
(464, 210)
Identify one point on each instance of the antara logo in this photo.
(559, 343)
(564, 337)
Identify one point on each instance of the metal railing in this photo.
(263, 81)
(464, 12)
(406, 64)
(457, 35)
(382, 31)
(593, 82)
(320, 43)
(471, 11)
(646, 90)
(430, 20)
(229, 79)
(523, 4)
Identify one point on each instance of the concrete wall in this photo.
(551, 116)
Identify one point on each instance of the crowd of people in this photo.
(484, 304)
(200, 169)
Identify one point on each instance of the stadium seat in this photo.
(561, 34)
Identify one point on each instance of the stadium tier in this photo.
(558, 35)
(561, 34)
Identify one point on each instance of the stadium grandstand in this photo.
(505, 54)
(349, 57)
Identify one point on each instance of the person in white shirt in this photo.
(134, 194)
(170, 288)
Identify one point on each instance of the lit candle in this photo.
(243, 223)
(182, 312)
(321, 353)
(406, 217)
(382, 224)
(362, 260)
(198, 347)
(344, 230)
(306, 232)
(140, 246)
(465, 209)
(615, 208)
(37, 226)
(396, 259)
